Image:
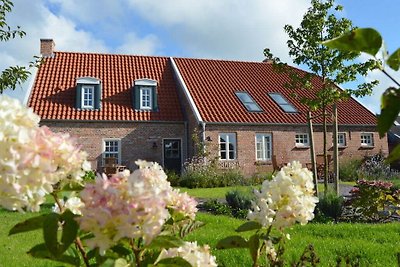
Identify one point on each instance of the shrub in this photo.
(348, 170)
(201, 175)
(258, 179)
(215, 207)
(373, 201)
(330, 206)
(173, 178)
(375, 168)
(239, 202)
(89, 176)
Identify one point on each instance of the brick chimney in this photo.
(47, 47)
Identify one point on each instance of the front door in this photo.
(172, 155)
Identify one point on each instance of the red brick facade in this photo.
(283, 144)
(139, 140)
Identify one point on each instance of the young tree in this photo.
(13, 75)
(333, 67)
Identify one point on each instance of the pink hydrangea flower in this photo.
(33, 159)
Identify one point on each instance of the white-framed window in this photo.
(87, 96)
(367, 139)
(227, 146)
(263, 146)
(302, 140)
(145, 98)
(112, 149)
(248, 101)
(341, 139)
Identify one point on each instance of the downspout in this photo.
(203, 126)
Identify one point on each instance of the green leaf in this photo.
(254, 245)
(73, 187)
(28, 225)
(69, 230)
(249, 226)
(365, 40)
(41, 252)
(50, 230)
(121, 250)
(394, 155)
(232, 242)
(173, 262)
(390, 108)
(394, 60)
(166, 242)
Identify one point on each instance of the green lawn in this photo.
(220, 192)
(376, 243)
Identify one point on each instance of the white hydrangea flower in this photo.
(130, 205)
(183, 204)
(74, 204)
(197, 256)
(286, 199)
(32, 158)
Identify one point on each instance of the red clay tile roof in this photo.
(213, 83)
(53, 93)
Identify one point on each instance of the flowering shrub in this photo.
(373, 200)
(119, 219)
(192, 253)
(33, 159)
(286, 199)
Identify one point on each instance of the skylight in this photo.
(283, 103)
(248, 102)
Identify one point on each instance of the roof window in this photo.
(248, 102)
(283, 103)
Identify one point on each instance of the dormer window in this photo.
(88, 93)
(144, 95)
(248, 102)
(87, 96)
(283, 103)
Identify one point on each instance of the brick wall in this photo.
(137, 139)
(283, 144)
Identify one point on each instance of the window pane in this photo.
(247, 101)
(231, 155)
(223, 146)
(223, 155)
(282, 102)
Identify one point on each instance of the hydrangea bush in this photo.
(128, 219)
(286, 199)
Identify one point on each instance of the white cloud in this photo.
(139, 46)
(39, 22)
(225, 29)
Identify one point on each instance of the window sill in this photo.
(260, 162)
(302, 147)
(366, 147)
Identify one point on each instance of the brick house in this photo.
(132, 107)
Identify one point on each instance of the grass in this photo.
(217, 192)
(13, 248)
(220, 192)
(377, 244)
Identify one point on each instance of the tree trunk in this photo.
(335, 150)
(312, 152)
(325, 151)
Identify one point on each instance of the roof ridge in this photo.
(108, 54)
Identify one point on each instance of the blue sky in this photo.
(218, 29)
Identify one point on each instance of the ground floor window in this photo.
(112, 149)
(341, 139)
(367, 139)
(302, 140)
(227, 146)
(263, 146)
